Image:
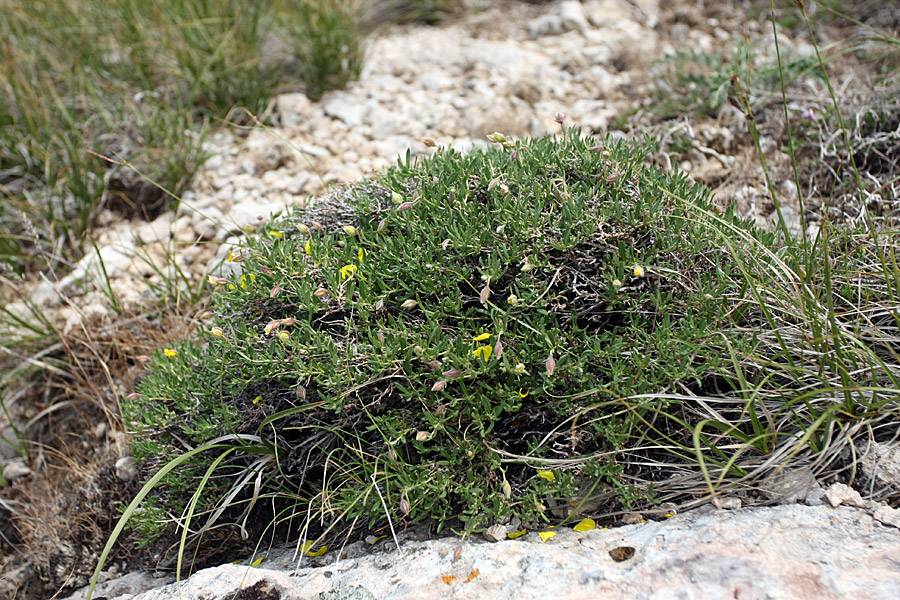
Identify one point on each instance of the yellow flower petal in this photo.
(307, 247)
(546, 535)
(639, 271)
(516, 534)
(482, 337)
(585, 525)
(548, 475)
(521, 395)
(318, 552)
(484, 352)
(169, 352)
(361, 254)
(258, 561)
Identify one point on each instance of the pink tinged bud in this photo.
(421, 436)
(435, 364)
(445, 243)
(317, 225)
(596, 148)
(439, 386)
(406, 206)
(550, 365)
(380, 337)
(514, 155)
(275, 291)
(237, 258)
(452, 373)
(498, 349)
(485, 293)
(613, 176)
(494, 182)
(133, 396)
(300, 392)
(288, 322)
(457, 552)
(272, 326)
(143, 358)
(379, 305)
(266, 270)
(559, 118)
(320, 293)
(404, 506)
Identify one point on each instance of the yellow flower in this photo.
(483, 351)
(348, 271)
(482, 337)
(520, 368)
(585, 525)
(546, 535)
(521, 395)
(361, 254)
(307, 247)
(217, 332)
(258, 561)
(276, 234)
(169, 352)
(284, 336)
(548, 475)
(639, 271)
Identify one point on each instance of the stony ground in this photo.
(503, 66)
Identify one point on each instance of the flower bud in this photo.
(284, 336)
(409, 304)
(217, 332)
(350, 230)
(302, 228)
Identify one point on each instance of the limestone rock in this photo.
(789, 551)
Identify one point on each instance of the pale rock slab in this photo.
(790, 551)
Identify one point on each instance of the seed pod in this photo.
(485, 293)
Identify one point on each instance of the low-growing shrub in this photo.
(478, 340)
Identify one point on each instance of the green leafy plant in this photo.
(476, 342)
